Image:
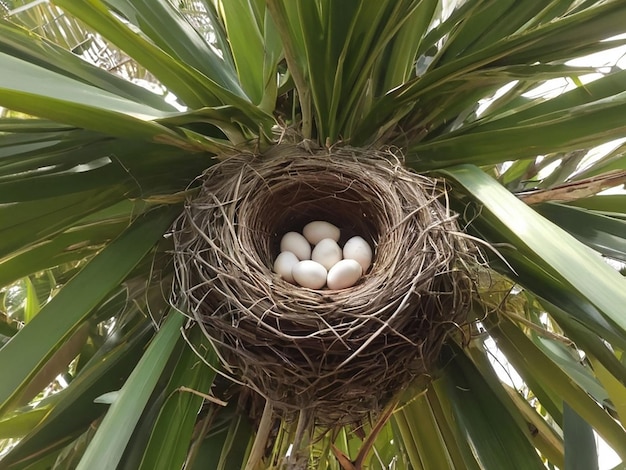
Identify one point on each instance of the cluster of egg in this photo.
(314, 258)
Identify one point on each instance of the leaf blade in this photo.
(56, 322)
(561, 255)
(107, 446)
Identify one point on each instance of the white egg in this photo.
(297, 244)
(344, 274)
(327, 253)
(309, 274)
(317, 230)
(358, 249)
(283, 265)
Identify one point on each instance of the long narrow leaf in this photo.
(167, 448)
(73, 410)
(603, 234)
(26, 46)
(193, 87)
(34, 90)
(615, 389)
(37, 341)
(27, 223)
(169, 30)
(494, 437)
(534, 426)
(557, 252)
(580, 442)
(520, 350)
(73, 245)
(107, 446)
(420, 429)
(254, 46)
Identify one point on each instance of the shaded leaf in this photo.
(107, 446)
(173, 429)
(580, 442)
(38, 340)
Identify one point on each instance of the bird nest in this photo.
(336, 354)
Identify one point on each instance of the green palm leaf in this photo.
(93, 168)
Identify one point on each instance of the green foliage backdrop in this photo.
(94, 168)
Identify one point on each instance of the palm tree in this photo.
(94, 169)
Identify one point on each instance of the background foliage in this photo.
(111, 108)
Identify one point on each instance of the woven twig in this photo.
(337, 354)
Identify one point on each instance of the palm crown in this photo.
(94, 169)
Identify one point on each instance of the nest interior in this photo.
(338, 354)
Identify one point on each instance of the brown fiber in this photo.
(337, 355)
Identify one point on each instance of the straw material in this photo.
(338, 355)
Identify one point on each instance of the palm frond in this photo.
(112, 109)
